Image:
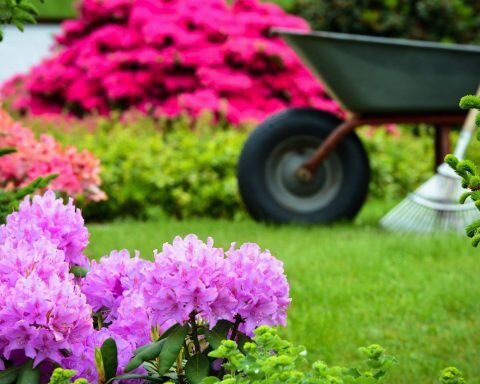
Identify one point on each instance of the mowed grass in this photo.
(354, 285)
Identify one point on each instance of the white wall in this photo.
(19, 51)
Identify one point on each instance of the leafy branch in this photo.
(469, 173)
(17, 12)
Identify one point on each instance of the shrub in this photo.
(186, 317)
(166, 57)
(187, 168)
(438, 20)
(181, 167)
(78, 172)
(395, 169)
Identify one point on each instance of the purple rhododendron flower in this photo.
(48, 217)
(113, 278)
(20, 258)
(189, 276)
(260, 287)
(133, 320)
(83, 362)
(43, 318)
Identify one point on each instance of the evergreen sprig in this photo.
(469, 173)
(17, 12)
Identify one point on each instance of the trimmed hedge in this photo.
(437, 20)
(185, 169)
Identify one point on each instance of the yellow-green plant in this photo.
(469, 173)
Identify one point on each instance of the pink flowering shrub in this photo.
(157, 314)
(78, 172)
(166, 57)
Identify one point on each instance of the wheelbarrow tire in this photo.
(275, 149)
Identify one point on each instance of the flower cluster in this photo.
(113, 279)
(46, 217)
(48, 315)
(190, 277)
(43, 313)
(78, 172)
(166, 57)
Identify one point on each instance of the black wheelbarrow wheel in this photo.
(274, 151)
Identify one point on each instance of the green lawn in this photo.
(353, 285)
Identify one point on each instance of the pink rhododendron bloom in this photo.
(21, 258)
(188, 276)
(134, 320)
(259, 286)
(200, 55)
(82, 359)
(46, 217)
(112, 279)
(78, 172)
(42, 319)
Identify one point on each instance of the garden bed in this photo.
(353, 285)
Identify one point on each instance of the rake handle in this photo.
(466, 133)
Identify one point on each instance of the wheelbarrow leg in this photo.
(442, 143)
(308, 169)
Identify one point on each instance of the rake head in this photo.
(433, 207)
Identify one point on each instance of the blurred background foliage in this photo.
(436, 20)
(186, 169)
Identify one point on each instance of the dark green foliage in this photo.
(437, 20)
(395, 169)
(17, 12)
(150, 168)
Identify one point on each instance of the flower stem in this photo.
(238, 321)
(196, 342)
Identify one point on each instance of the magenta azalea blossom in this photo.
(188, 277)
(112, 279)
(259, 285)
(46, 217)
(170, 57)
(42, 319)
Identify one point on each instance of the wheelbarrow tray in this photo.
(384, 76)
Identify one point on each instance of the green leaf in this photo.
(171, 348)
(109, 357)
(197, 368)
(218, 333)
(169, 331)
(99, 366)
(28, 374)
(79, 271)
(9, 375)
(136, 376)
(7, 151)
(354, 372)
(379, 374)
(211, 380)
(152, 351)
(133, 364)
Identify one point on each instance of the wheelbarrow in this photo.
(306, 165)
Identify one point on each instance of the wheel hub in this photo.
(293, 192)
